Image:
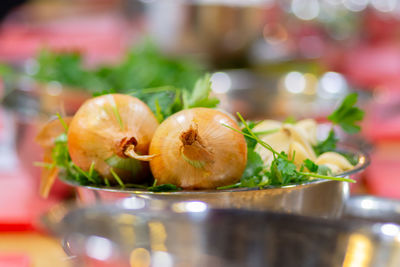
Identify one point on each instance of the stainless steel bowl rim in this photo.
(363, 162)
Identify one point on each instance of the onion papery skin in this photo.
(99, 129)
(46, 139)
(217, 158)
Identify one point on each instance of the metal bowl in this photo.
(322, 198)
(136, 232)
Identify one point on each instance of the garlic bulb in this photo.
(297, 140)
(291, 139)
(194, 150)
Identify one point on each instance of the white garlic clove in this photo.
(267, 125)
(334, 158)
(299, 152)
(299, 137)
(279, 141)
(309, 128)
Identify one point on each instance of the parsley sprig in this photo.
(167, 100)
(347, 116)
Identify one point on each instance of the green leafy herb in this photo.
(310, 165)
(251, 143)
(254, 164)
(158, 113)
(104, 92)
(167, 100)
(329, 144)
(347, 115)
(353, 159)
(164, 188)
(144, 66)
(281, 171)
(252, 174)
(200, 96)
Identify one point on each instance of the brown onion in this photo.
(46, 139)
(194, 150)
(113, 132)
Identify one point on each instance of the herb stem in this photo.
(266, 132)
(137, 186)
(44, 164)
(62, 122)
(117, 178)
(91, 169)
(255, 137)
(327, 177)
(228, 186)
(83, 173)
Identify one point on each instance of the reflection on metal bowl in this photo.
(321, 198)
(135, 231)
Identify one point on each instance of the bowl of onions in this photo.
(115, 147)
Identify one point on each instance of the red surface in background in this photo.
(20, 204)
(371, 66)
(29, 152)
(382, 128)
(101, 38)
(15, 260)
(383, 175)
(382, 120)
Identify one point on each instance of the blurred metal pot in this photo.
(221, 31)
(135, 232)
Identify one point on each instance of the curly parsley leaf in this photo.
(347, 115)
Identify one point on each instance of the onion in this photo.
(194, 150)
(113, 132)
(46, 139)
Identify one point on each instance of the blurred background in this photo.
(268, 59)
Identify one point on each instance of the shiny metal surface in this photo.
(322, 198)
(220, 31)
(372, 208)
(193, 234)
